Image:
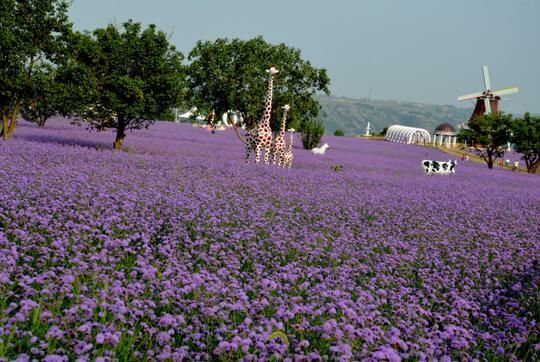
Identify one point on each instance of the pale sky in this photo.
(427, 51)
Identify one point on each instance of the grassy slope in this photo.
(352, 115)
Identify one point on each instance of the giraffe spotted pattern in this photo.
(288, 155)
(261, 137)
(278, 144)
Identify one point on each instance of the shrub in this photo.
(339, 132)
(312, 132)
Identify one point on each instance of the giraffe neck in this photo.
(283, 122)
(289, 146)
(265, 119)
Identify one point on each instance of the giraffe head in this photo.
(286, 107)
(272, 71)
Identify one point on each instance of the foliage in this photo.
(489, 135)
(77, 84)
(279, 334)
(383, 132)
(312, 132)
(32, 36)
(166, 115)
(339, 132)
(138, 76)
(229, 75)
(526, 139)
(43, 97)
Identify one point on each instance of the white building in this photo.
(403, 134)
(445, 135)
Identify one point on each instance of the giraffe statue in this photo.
(287, 154)
(278, 143)
(261, 137)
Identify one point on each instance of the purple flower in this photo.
(54, 333)
(180, 244)
(387, 353)
(55, 358)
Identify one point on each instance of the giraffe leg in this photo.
(275, 156)
(248, 152)
(257, 153)
(288, 162)
(267, 155)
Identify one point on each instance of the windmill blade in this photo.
(505, 91)
(470, 96)
(487, 81)
(487, 103)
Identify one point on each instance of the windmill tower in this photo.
(487, 101)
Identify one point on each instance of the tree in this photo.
(137, 77)
(61, 89)
(43, 96)
(526, 139)
(32, 35)
(229, 75)
(312, 132)
(489, 135)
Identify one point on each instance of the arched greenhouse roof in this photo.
(403, 134)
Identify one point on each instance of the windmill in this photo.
(487, 101)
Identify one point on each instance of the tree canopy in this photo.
(32, 36)
(489, 135)
(135, 76)
(526, 139)
(229, 75)
(44, 96)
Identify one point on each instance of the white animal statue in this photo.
(320, 150)
(437, 167)
(277, 149)
(287, 154)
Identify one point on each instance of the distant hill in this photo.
(352, 115)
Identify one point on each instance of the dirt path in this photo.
(458, 152)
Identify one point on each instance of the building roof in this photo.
(446, 129)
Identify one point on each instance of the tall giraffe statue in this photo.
(261, 137)
(287, 154)
(278, 143)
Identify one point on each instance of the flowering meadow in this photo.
(175, 249)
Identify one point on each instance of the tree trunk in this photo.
(120, 135)
(533, 166)
(9, 120)
(4, 125)
(489, 158)
(238, 133)
(117, 144)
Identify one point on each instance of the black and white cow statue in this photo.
(437, 167)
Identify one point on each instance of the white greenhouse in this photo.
(403, 134)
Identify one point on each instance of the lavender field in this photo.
(175, 249)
